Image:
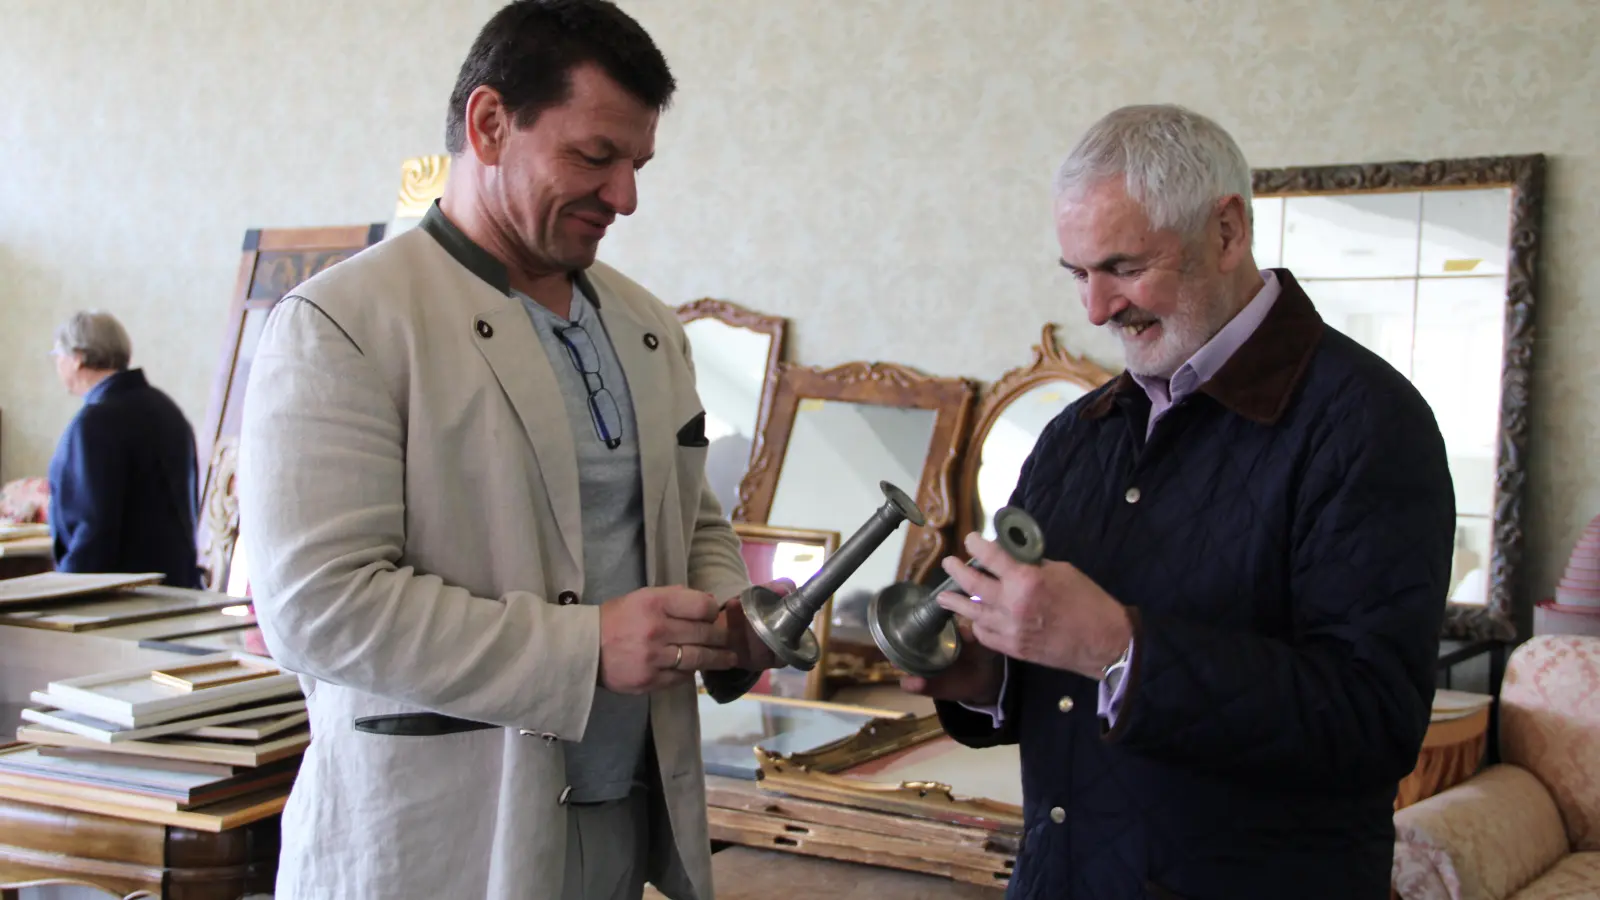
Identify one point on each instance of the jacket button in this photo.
(1064, 704)
(1132, 496)
(485, 329)
(565, 793)
(651, 341)
(566, 598)
(548, 737)
(1058, 815)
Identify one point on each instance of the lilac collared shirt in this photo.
(1164, 395)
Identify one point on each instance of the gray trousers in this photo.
(608, 848)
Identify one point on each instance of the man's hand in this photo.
(657, 637)
(1050, 614)
(974, 679)
(752, 653)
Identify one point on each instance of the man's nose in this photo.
(1101, 298)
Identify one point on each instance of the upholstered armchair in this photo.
(1528, 829)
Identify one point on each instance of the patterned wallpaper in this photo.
(877, 170)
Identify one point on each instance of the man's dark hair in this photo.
(528, 50)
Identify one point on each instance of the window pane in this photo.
(1377, 314)
(1351, 236)
(1267, 238)
(1469, 570)
(1466, 233)
(1459, 349)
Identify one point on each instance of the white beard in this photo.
(1198, 318)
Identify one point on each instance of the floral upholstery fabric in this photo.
(1481, 840)
(1550, 725)
(25, 501)
(1576, 877)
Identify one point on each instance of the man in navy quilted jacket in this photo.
(1225, 666)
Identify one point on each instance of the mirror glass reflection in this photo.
(836, 455)
(1011, 439)
(730, 370)
(1420, 279)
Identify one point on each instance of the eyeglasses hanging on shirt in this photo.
(603, 409)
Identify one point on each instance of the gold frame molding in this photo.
(1508, 612)
(882, 384)
(1051, 362)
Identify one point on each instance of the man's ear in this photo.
(488, 124)
(1233, 231)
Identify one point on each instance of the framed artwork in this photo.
(827, 736)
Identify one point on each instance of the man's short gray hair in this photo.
(1176, 163)
(98, 338)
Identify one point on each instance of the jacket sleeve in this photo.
(322, 477)
(93, 490)
(1345, 699)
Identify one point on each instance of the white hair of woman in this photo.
(1175, 162)
(98, 339)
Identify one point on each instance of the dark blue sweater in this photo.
(122, 484)
(1285, 559)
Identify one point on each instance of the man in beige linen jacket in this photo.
(415, 481)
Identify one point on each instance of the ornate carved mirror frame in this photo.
(1051, 363)
(774, 327)
(1507, 612)
(879, 384)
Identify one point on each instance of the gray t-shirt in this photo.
(609, 760)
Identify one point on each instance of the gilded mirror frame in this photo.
(1507, 613)
(1051, 362)
(775, 327)
(881, 384)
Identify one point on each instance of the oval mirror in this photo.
(1011, 416)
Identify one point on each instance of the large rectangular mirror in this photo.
(1431, 266)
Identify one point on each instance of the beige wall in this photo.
(875, 169)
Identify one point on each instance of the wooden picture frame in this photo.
(54, 587)
(789, 681)
(118, 608)
(273, 262)
(133, 698)
(1508, 611)
(1051, 363)
(877, 384)
(826, 735)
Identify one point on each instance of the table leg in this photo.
(1497, 672)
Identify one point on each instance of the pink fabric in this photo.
(1550, 725)
(25, 501)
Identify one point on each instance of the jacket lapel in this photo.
(642, 354)
(505, 338)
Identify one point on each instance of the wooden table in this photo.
(26, 556)
(40, 844)
(744, 873)
(1452, 751)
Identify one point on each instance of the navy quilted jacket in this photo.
(1284, 542)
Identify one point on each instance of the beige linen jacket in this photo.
(410, 514)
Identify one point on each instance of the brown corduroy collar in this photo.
(1259, 380)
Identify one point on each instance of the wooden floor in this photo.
(744, 873)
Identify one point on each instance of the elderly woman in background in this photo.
(123, 479)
